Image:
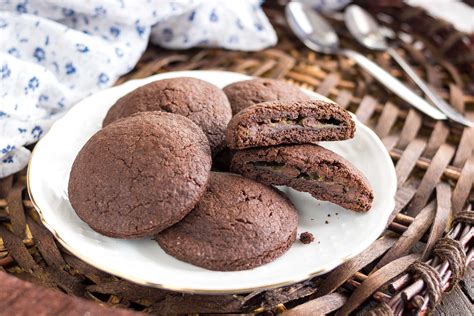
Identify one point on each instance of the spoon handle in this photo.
(435, 98)
(394, 84)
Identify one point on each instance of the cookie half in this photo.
(238, 224)
(200, 101)
(280, 122)
(140, 175)
(245, 93)
(307, 168)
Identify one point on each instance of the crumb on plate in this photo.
(306, 238)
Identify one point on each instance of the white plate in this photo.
(345, 234)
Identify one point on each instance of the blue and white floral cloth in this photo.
(55, 52)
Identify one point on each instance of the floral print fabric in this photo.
(54, 53)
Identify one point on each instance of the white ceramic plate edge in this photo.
(298, 277)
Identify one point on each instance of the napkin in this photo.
(54, 53)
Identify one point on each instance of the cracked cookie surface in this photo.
(307, 168)
(200, 101)
(238, 224)
(140, 175)
(245, 93)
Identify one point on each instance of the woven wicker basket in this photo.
(428, 242)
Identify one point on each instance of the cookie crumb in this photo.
(306, 238)
(329, 215)
(326, 222)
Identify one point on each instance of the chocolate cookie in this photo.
(249, 92)
(238, 224)
(285, 122)
(200, 101)
(140, 175)
(308, 168)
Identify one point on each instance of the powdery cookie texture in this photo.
(238, 224)
(140, 175)
(289, 122)
(200, 101)
(245, 93)
(308, 168)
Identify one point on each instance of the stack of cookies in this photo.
(276, 143)
(155, 169)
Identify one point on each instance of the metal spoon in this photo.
(366, 30)
(318, 35)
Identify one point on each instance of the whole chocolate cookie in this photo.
(140, 175)
(308, 168)
(289, 122)
(238, 224)
(200, 101)
(245, 93)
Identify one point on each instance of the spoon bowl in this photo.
(364, 28)
(318, 35)
(311, 28)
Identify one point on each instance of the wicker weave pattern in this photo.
(435, 171)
